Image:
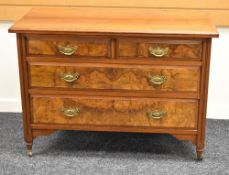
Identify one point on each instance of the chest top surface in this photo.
(114, 20)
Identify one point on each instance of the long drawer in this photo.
(103, 111)
(125, 77)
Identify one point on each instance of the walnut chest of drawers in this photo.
(122, 70)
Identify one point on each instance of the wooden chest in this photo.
(125, 70)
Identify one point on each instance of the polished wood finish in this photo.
(203, 102)
(114, 21)
(24, 92)
(85, 46)
(116, 112)
(218, 16)
(114, 83)
(115, 93)
(178, 79)
(177, 49)
(130, 61)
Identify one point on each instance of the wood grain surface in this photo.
(217, 16)
(114, 20)
(184, 79)
(114, 94)
(115, 111)
(177, 49)
(85, 46)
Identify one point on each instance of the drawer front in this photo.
(69, 46)
(115, 112)
(172, 79)
(161, 49)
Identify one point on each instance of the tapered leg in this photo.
(199, 154)
(29, 149)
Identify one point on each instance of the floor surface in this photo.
(101, 153)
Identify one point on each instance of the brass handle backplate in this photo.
(156, 114)
(67, 50)
(69, 77)
(157, 79)
(70, 112)
(158, 51)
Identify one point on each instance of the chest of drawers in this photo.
(122, 70)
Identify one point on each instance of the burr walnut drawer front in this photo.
(69, 46)
(115, 111)
(161, 49)
(125, 77)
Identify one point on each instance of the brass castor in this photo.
(29, 150)
(29, 153)
(199, 155)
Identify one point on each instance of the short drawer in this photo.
(115, 111)
(69, 46)
(161, 49)
(171, 78)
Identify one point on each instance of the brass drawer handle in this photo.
(70, 77)
(67, 50)
(157, 79)
(70, 112)
(158, 51)
(156, 114)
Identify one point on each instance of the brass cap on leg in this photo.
(199, 155)
(29, 153)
